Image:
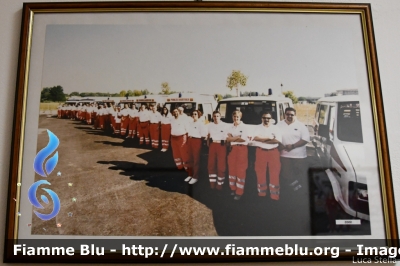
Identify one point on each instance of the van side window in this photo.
(207, 109)
(332, 114)
(200, 108)
(317, 111)
(323, 115)
(222, 110)
(287, 105)
(281, 112)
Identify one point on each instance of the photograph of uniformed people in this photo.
(197, 131)
(267, 139)
(295, 137)
(237, 158)
(217, 134)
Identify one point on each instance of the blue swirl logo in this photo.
(32, 198)
(44, 153)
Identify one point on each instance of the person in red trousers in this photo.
(197, 132)
(165, 128)
(238, 156)
(267, 139)
(217, 134)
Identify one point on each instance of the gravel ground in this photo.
(108, 202)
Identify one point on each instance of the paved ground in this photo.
(122, 188)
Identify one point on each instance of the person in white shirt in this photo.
(154, 128)
(117, 120)
(295, 137)
(197, 131)
(165, 128)
(267, 139)
(133, 120)
(144, 125)
(238, 157)
(178, 139)
(124, 119)
(217, 134)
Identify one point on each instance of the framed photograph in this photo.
(149, 131)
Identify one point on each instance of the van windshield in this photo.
(188, 107)
(251, 110)
(349, 122)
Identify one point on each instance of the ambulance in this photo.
(339, 144)
(205, 103)
(253, 106)
(157, 100)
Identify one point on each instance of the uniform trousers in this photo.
(117, 128)
(83, 115)
(216, 164)
(268, 159)
(124, 125)
(144, 132)
(193, 159)
(62, 112)
(237, 166)
(112, 119)
(154, 134)
(132, 126)
(100, 118)
(94, 115)
(96, 121)
(58, 113)
(88, 118)
(165, 135)
(294, 172)
(179, 151)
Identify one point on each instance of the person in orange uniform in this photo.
(238, 157)
(165, 128)
(124, 119)
(144, 125)
(217, 134)
(267, 139)
(155, 123)
(133, 120)
(178, 139)
(197, 131)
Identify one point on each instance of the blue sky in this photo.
(306, 57)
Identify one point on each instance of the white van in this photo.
(253, 106)
(157, 100)
(339, 143)
(206, 103)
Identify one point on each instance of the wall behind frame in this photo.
(386, 21)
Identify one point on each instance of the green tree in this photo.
(137, 93)
(145, 92)
(54, 94)
(219, 97)
(122, 93)
(301, 98)
(290, 94)
(74, 93)
(226, 96)
(129, 93)
(165, 88)
(235, 80)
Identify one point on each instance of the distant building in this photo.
(347, 92)
(342, 92)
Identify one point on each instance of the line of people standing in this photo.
(280, 149)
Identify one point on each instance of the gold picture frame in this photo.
(37, 20)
